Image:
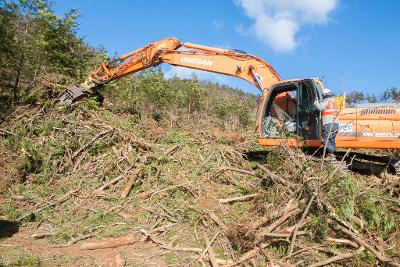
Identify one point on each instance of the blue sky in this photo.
(355, 43)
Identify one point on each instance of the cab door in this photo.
(308, 116)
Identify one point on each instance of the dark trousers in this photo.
(329, 132)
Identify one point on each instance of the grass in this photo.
(175, 138)
(21, 257)
(169, 258)
(10, 210)
(319, 225)
(367, 257)
(26, 261)
(376, 216)
(341, 194)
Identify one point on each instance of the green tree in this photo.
(189, 93)
(391, 95)
(355, 97)
(37, 44)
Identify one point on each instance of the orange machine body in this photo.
(377, 128)
(362, 127)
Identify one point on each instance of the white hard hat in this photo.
(326, 91)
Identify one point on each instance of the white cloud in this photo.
(277, 22)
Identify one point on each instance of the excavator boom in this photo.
(174, 52)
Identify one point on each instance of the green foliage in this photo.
(271, 196)
(37, 44)
(174, 138)
(241, 208)
(150, 94)
(319, 224)
(10, 211)
(244, 190)
(366, 257)
(220, 254)
(100, 217)
(31, 162)
(375, 215)
(46, 127)
(391, 95)
(192, 216)
(231, 109)
(169, 258)
(189, 94)
(31, 97)
(91, 104)
(276, 158)
(341, 193)
(279, 248)
(27, 261)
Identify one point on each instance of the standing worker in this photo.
(330, 121)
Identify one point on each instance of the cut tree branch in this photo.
(303, 216)
(237, 199)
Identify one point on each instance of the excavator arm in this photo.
(172, 51)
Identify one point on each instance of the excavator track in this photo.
(371, 164)
(396, 166)
(355, 161)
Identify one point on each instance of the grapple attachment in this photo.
(72, 94)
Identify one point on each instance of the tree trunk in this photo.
(18, 78)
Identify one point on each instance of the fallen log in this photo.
(74, 240)
(111, 243)
(217, 221)
(283, 235)
(40, 235)
(131, 182)
(273, 215)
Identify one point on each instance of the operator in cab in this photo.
(330, 121)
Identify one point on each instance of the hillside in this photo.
(160, 173)
(170, 181)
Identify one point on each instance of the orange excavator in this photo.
(286, 114)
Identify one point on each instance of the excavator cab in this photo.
(290, 113)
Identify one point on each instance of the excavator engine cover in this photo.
(71, 95)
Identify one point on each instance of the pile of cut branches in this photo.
(87, 177)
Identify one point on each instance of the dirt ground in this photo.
(20, 249)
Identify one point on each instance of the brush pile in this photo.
(94, 179)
